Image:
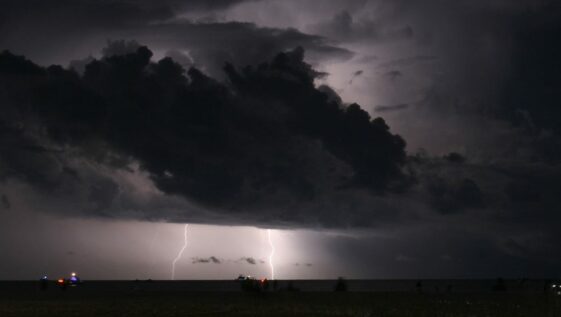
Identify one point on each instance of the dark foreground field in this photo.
(134, 301)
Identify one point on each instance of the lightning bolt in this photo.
(271, 255)
(179, 254)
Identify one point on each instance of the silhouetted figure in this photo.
(419, 287)
(341, 285)
(500, 285)
(44, 283)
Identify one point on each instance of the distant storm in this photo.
(298, 139)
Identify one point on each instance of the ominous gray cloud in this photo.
(212, 259)
(235, 175)
(81, 27)
(212, 44)
(74, 26)
(249, 260)
(244, 149)
(107, 13)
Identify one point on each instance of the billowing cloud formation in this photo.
(266, 145)
(171, 27)
(210, 44)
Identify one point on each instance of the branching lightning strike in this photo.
(179, 254)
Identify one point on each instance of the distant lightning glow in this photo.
(271, 255)
(179, 254)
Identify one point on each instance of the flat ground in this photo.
(80, 302)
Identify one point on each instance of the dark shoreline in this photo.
(354, 285)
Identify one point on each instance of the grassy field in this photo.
(149, 303)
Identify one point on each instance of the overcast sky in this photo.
(375, 138)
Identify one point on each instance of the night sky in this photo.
(373, 138)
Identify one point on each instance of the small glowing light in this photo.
(73, 274)
(60, 280)
(554, 286)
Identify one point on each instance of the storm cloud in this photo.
(211, 259)
(267, 141)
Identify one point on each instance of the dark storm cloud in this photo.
(267, 145)
(115, 47)
(450, 197)
(249, 260)
(211, 259)
(108, 13)
(531, 95)
(69, 30)
(211, 44)
(96, 14)
(119, 47)
(75, 25)
(514, 93)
